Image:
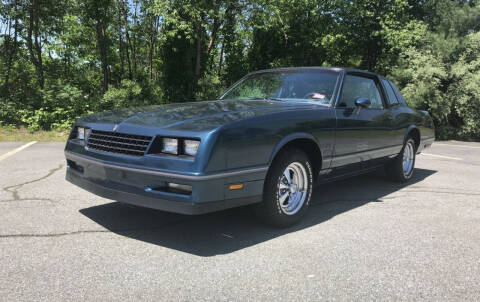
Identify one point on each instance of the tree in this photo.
(63, 58)
(190, 34)
(97, 14)
(465, 87)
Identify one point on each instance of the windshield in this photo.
(300, 86)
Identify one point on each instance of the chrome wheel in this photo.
(408, 158)
(292, 188)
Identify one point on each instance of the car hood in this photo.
(197, 116)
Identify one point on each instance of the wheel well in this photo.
(415, 134)
(310, 148)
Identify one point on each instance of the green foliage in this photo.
(465, 89)
(62, 59)
(440, 73)
(60, 106)
(421, 79)
(210, 87)
(129, 94)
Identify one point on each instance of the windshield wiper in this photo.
(265, 99)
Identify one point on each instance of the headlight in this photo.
(170, 145)
(80, 133)
(190, 147)
(175, 146)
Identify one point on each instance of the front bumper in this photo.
(145, 187)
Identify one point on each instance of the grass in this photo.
(12, 134)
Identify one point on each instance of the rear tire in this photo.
(287, 189)
(401, 168)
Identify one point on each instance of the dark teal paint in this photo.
(241, 134)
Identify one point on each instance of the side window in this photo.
(397, 93)
(391, 97)
(355, 87)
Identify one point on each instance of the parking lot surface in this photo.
(364, 238)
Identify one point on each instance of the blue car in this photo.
(265, 142)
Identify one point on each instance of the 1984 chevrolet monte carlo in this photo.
(266, 141)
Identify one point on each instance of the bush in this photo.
(465, 89)
(450, 91)
(127, 95)
(59, 108)
(130, 94)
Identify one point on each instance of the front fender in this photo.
(289, 138)
(255, 142)
(409, 130)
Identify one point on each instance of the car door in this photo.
(400, 116)
(362, 134)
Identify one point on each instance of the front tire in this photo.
(287, 189)
(401, 167)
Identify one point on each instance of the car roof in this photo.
(337, 69)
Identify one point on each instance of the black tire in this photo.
(271, 210)
(395, 168)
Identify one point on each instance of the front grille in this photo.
(130, 144)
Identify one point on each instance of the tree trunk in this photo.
(38, 48)
(198, 52)
(134, 44)
(129, 43)
(213, 36)
(129, 64)
(120, 42)
(150, 55)
(198, 60)
(6, 47)
(33, 32)
(220, 61)
(151, 50)
(102, 47)
(11, 51)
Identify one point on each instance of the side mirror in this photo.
(363, 102)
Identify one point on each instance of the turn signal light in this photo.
(236, 187)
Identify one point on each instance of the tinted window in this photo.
(397, 93)
(298, 86)
(355, 87)
(391, 97)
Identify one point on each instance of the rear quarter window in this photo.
(391, 97)
(397, 93)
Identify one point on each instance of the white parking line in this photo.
(452, 145)
(10, 153)
(442, 156)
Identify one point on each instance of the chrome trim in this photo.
(103, 163)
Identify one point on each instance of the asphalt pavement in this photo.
(364, 238)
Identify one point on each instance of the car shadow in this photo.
(231, 230)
